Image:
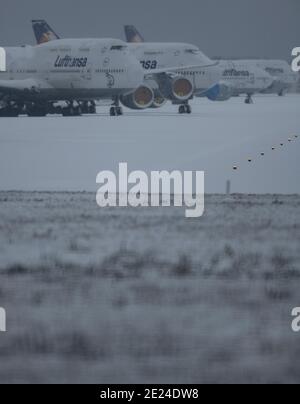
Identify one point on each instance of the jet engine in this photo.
(220, 92)
(179, 89)
(159, 100)
(141, 98)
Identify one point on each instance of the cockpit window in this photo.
(193, 51)
(118, 47)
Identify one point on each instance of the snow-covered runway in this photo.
(57, 153)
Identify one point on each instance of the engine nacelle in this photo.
(141, 98)
(159, 100)
(176, 89)
(220, 92)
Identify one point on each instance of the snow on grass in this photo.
(146, 295)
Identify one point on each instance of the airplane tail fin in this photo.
(132, 34)
(43, 32)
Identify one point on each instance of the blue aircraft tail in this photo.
(132, 34)
(43, 32)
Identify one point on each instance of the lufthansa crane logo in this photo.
(110, 80)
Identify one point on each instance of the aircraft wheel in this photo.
(181, 109)
(249, 100)
(185, 109)
(77, 111)
(36, 112)
(9, 113)
(92, 109)
(119, 111)
(188, 109)
(65, 111)
(112, 111)
(58, 110)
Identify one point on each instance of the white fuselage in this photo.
(169, 55)
(71, 69)
(284, 78)
(245, 79)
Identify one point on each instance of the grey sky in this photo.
(263, 28)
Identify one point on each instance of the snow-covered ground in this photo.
(146, 295)
(57, 153)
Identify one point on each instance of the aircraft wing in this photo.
(19, 86)
(169, 71)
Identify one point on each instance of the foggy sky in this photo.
(227, 28)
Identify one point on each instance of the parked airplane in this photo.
(245, 79)
(237, 79)
(284, 78)
(79, 69)
(202, 78)
(206, 83)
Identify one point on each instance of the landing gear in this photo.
(88, 107)
(10, 110)
(34, 110)
(8, 113)
(72, 110)
(92, 108)
(116, 110)
(41, 109)
(249, 99)
(112, 111)
(185, 109)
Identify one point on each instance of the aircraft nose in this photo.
(276, 81)
(216, 73)
(219, 72)
(265, 79)
(269, 80)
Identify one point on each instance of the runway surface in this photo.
(57, 153)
